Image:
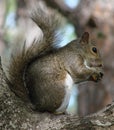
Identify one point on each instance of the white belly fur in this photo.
(68, 86)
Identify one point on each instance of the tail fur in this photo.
(23, 57)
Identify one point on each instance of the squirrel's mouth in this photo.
(95, 65)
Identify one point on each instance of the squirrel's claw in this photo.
(96, 77)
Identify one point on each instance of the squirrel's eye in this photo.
(94, 49)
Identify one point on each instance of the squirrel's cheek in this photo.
(95, 63)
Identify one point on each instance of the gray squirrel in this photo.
(44, 75)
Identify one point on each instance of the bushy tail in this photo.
(23, 57)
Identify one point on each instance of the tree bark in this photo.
(15, 114)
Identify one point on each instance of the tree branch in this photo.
(76, 16)
(70, 14)
(60, 6)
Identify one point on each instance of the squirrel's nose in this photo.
(101, 74)
(100, 65)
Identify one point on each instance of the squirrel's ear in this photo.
(85, 37)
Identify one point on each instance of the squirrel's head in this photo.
(91, 56)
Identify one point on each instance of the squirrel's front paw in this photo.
(96, 76)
